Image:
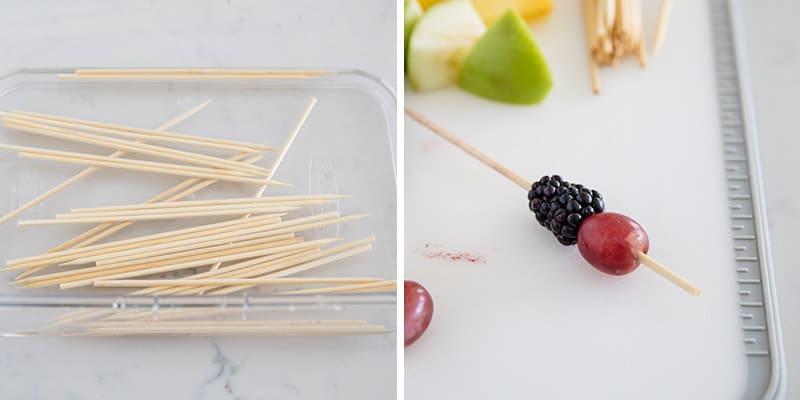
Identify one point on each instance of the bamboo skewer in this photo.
(242, 208)
(184, 188)
(148, 240)
(138, 271)
(142, 166)
(132, 147)
(228, 282)
(220, 202)
(173, 138)
(67, 219)
(178, 248)
(263, 267)
(83, 174)
(187, 241)
(661, 28)
(480, 156)
(382, 286)
(184, 77)
(197, 71)
(157, 133)
(642, 257)
(219, 328)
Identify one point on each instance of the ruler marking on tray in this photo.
(737, 169)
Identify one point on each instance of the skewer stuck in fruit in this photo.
(613, 243)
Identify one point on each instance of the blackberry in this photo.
(561, 206)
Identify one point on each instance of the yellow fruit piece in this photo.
(490, 10)
(427, 3)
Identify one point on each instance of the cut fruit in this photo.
(411, 13)
(440, 42)
(426, 4)
(506, 64)
(491, 10)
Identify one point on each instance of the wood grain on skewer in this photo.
(147, 132)
(662, 270)
(144, 166)
(479, 155)
(661, 27)
(173, 138)
(91, 170)
(229, 282)
(130, 147)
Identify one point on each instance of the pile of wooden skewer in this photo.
(614, 31)
(259, 247)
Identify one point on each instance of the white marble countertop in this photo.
(211, 33)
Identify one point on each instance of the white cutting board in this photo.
(530, 319)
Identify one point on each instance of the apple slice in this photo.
(439, 42)
(411, 13)
(506, 64)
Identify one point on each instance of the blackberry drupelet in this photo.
(561, 206)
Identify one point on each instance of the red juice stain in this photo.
(460, 256)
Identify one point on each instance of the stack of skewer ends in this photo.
(259, 244)
(614, 31)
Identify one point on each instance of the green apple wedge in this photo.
(411, 13)
(439, 42)
(506, 65)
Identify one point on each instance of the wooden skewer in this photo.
(185, 188)
(282, 154)
(222, 329)
(382, 286)
(643, 258)
(193, 240)
(300, 268)
(144, 166)
(174, 139)
(67, 219)
(198, 71)
(480, 156)
(662, 270)
(172, 210)
(661, 27)
(101, 271)
(198, 263)
(228, 282)
(147, 132)
(83, 174)
(226, 273)
(194, 203)
(229, 322)
(130, 147)
(203, 232)
(273, 267)
(242, 245)
(184, 77)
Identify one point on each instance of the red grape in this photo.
(418, 311)
(610, 242)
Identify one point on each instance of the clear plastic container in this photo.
(345, 147)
